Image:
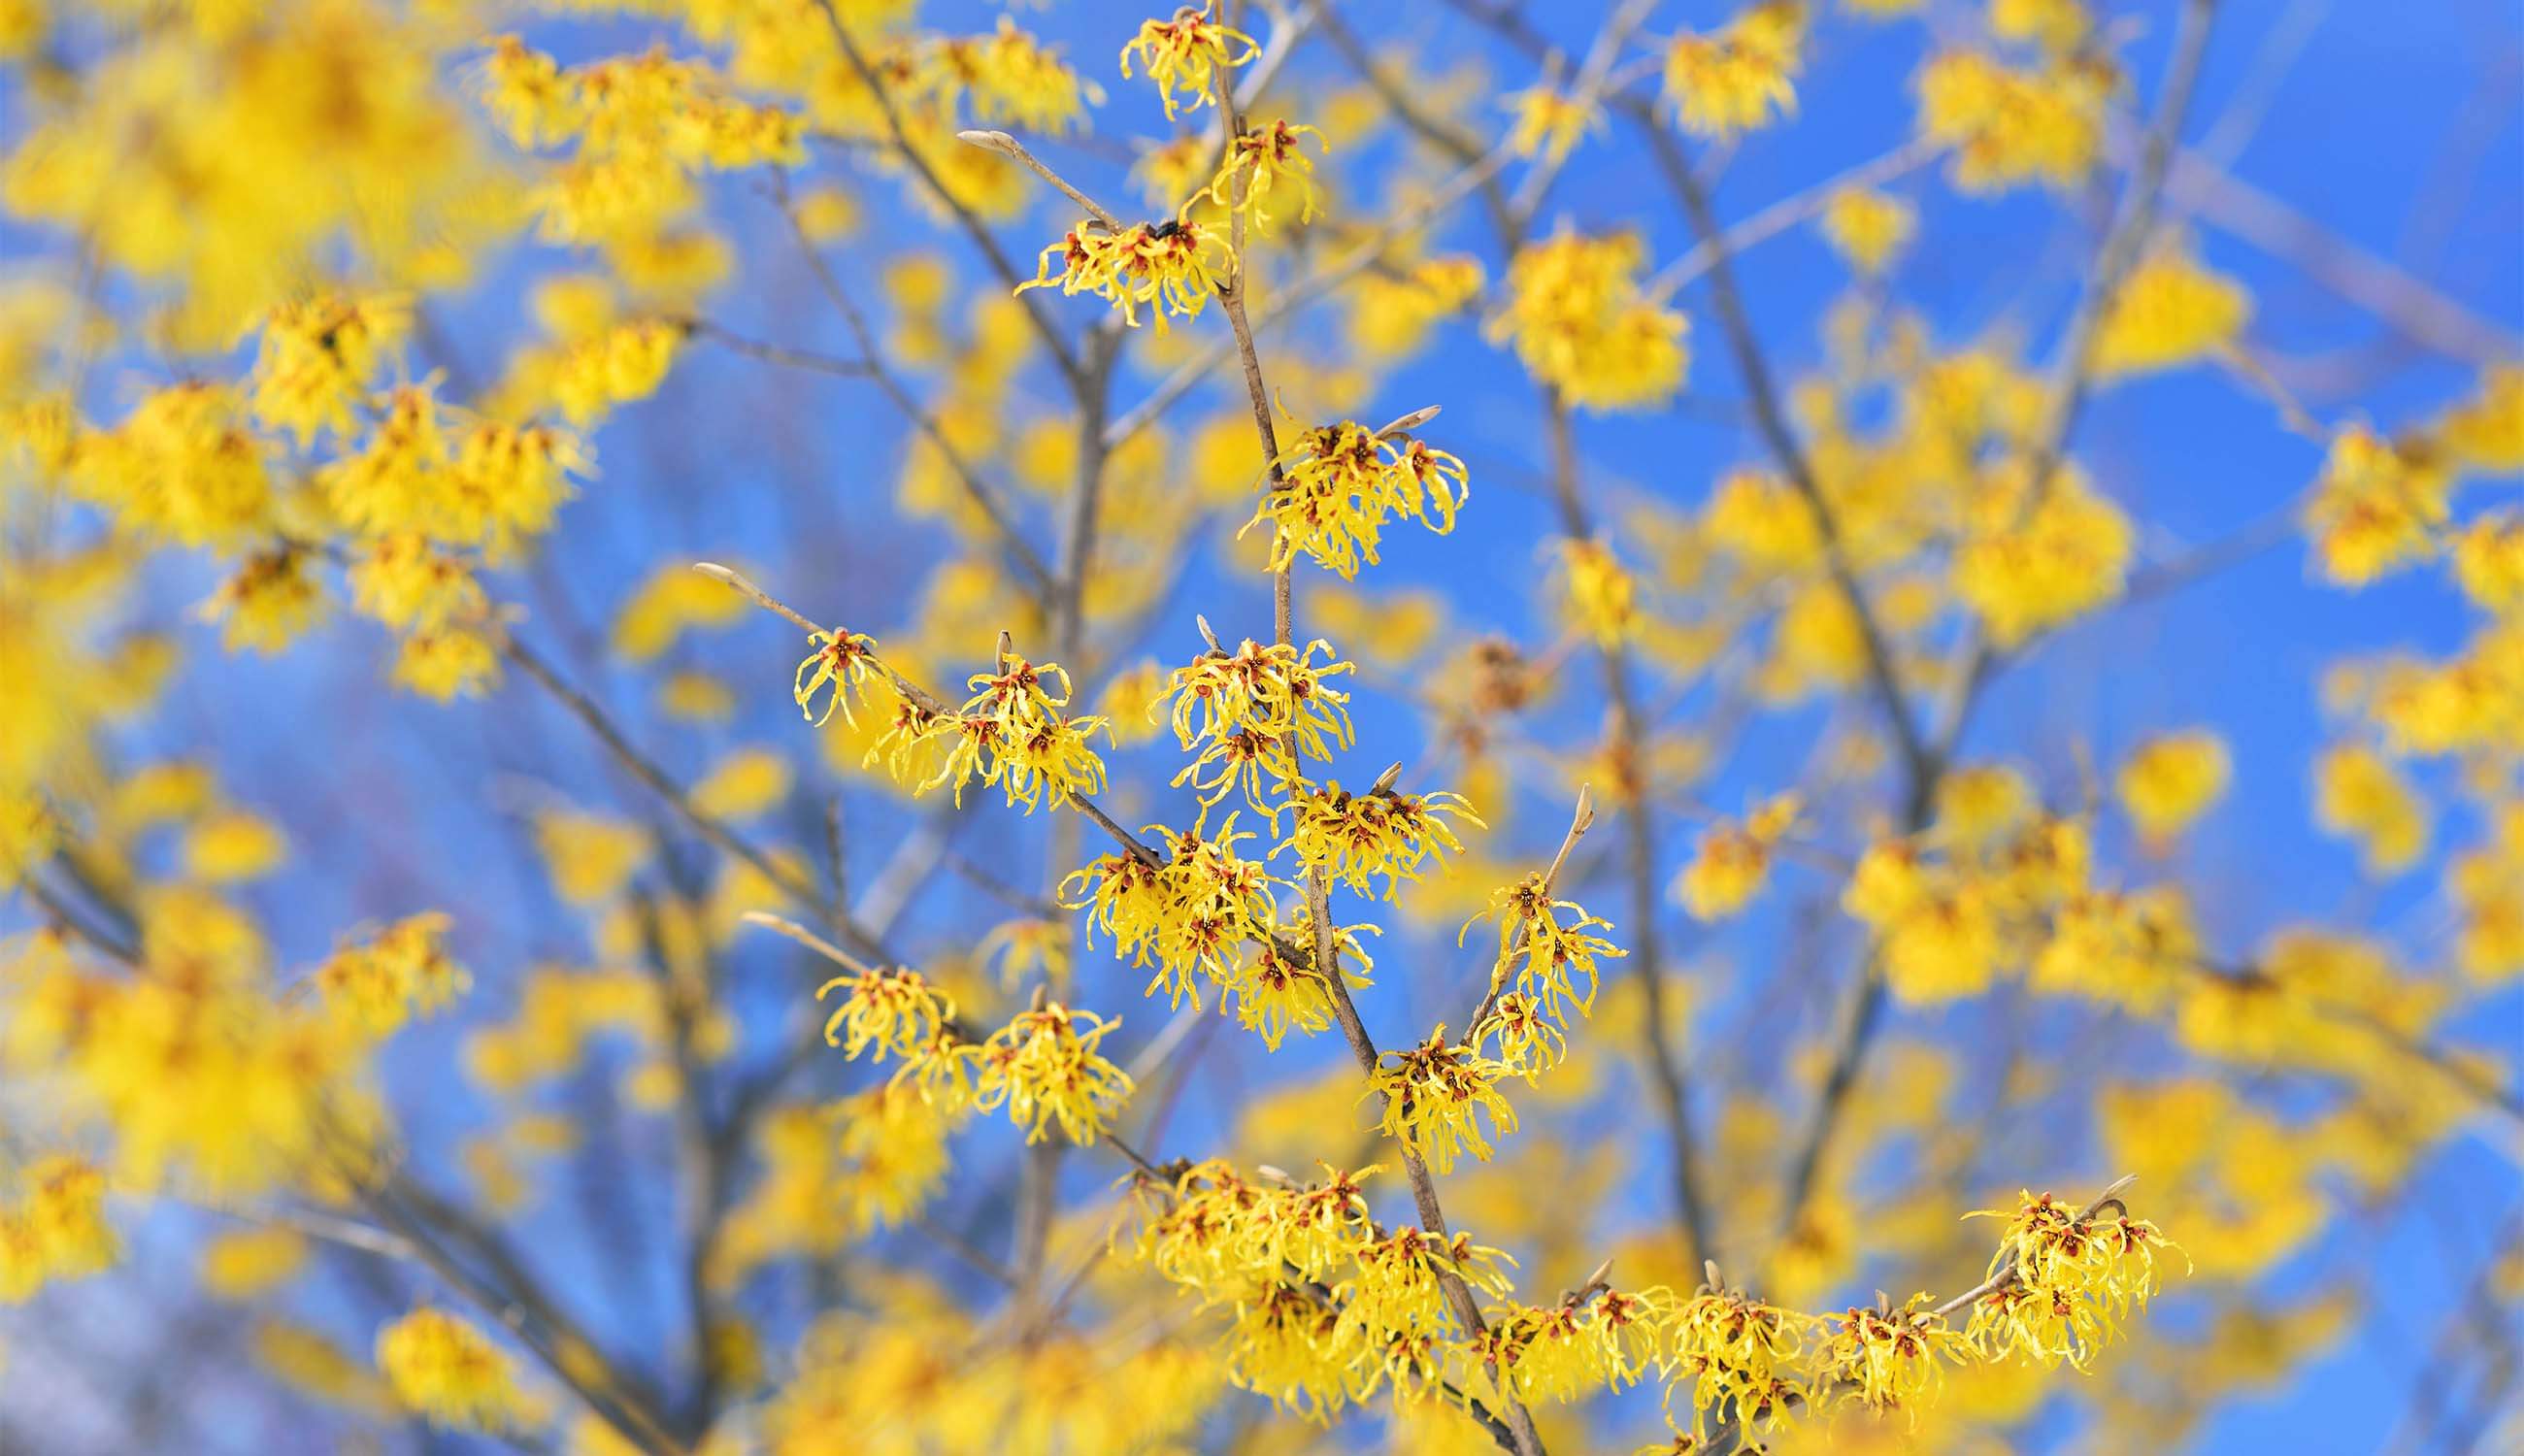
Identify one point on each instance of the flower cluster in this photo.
(2169, 310)
(1259, 163)
(1192, 911)
(2062, 1281)
(1255, 714)
(2013, 886)
(1733, 82)
(1005, 77)
(893, 1012)
(1744, 1358)
(1734, 860)
(1550, 121)
(1186, 53)
(319, 356)
(1546, 955)
(2037, 553)
(444, 1369)
(1172, 267)
(2008, 126)
(1568, 1352)
(1433, 1097)
(56, 1230)
(1013, 731)
(1582, 323)
(2378, 506)
(1332, 491)
(643, 127)
(1328, 1307)
(207, 1072)
(1354, 837)
(1044, 1067)
(401, 971)
(438, 471)
(1889, 1359)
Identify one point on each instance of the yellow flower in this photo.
(1010, 75)
(841, 661)
(1734, 80)
(1191, 910)
(1172, 267)
(1264, 161)
(1944, 947)
(1185, 53)
(2026, 572)
(1130, 702)
(2057, 26)
(1979, 803)
(2069, 1280)
(1601, 596)
(182, 466)
(898, 1013)
(231, 846)
(243, 1263)
(2359, 795)
(671, 599)
(695, 696)
(591, 858)
(1528, 1043)
(2168, 782)
(1353, 838)
(1550, 121)
(1547, 956)
(621, 364)
(58, 1230)
(2487, 431)
(2487, 886)
(1013, 733)
(2009, 126)
(1888, 1359)
(1743, 1356)
(2137, 952)
(318, 357)
(1433, 1097)
(268, 601)
(748, 782)
(1338, 483)
(1887, 884)
(1732, 860)
(1760, 519)
(2489, 561)
(526, 94)
(1046, 1068)
(443, 1368)
(1392, 314)
(403, 969)
(1170, 173)
(2169, 310)
(403, 581)
(1867, 228)
(1583, 326)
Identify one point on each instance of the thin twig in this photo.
(1862, 1009)
(974, 227)
(1327, 955)
(777, 354)
(1009, 146)
(1638, 844)
(1797, 207)
(983, 499)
